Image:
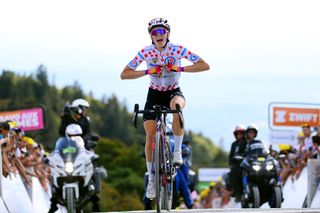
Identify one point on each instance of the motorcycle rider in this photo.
(76, 113)
(236, 154)
(252, 147)
(253, 144)
(74, 132)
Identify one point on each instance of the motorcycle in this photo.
(261, 181)
(71, 172)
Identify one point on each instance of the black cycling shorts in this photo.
(156, 97)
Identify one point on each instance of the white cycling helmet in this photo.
(73, 130)
(252, 127)
(78, 105)
(158, 22)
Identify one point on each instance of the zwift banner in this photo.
(292, 115)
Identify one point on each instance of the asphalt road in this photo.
(234, 211)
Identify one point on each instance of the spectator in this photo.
(305, 149)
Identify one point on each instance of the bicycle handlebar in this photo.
(157, 110)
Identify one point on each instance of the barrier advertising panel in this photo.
(27, 119)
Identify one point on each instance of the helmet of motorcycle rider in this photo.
(239, 128)
(252, 127)
(73, 130)
(185, 150)
(79, 105)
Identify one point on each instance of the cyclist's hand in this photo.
(154, 70)
(174, 68)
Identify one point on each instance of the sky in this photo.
(259, 52)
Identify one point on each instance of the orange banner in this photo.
(285, 116)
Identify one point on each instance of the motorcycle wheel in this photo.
(244, 203)
(253, 201)
(255, 197)
(71, 203)
(276, 198)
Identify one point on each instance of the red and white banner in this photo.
(27, 119)
(286, 115)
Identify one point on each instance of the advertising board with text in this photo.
(286, 116)
(27, 119)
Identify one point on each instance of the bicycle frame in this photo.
(162, 157)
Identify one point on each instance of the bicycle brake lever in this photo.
(135, 115)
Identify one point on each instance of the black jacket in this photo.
(255, 148)
(83, 122)
(237, 149)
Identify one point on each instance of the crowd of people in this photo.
(291, 158)
(23, 155)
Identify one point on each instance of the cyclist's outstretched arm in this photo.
(199, 66)
(129, 73)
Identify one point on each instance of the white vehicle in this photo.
(71, 173)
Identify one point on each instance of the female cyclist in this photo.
(164, 68)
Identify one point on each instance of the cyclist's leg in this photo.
(150, 128)
(177, 99)
(176, 129)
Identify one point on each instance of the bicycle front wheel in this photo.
(157, 165)
(167, 189)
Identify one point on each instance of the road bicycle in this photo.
(162, 156)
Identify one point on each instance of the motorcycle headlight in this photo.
(69, 167)
(269, 167)
(256, 167)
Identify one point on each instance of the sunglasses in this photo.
(158, 31)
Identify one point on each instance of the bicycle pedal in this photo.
(174, 170)
(176, 165)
